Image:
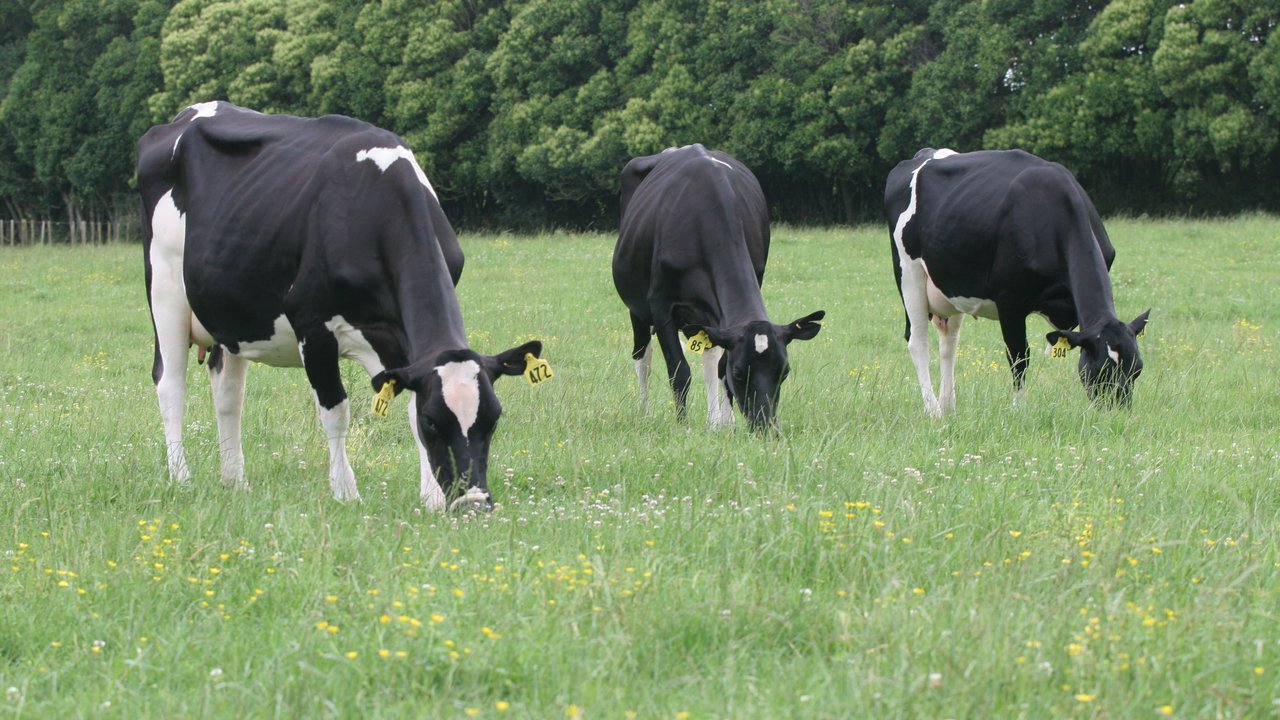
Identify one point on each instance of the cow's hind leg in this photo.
(915, 299)
(226, 377)
(319, 350)
(677, 366)
(171, 316)
(642, 355)
(948, 340)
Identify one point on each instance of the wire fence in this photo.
(62, 232)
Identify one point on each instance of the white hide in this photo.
(762, 343)
(460, 388)
(335, 421)
(429, 490)
(228, 384)
(172, 317)
(279, 350)
(384, 156)
(353, 345)
(915, 297)
(643, 367)
(719, 409)
(1114, 355)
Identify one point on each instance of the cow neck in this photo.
(428, 304)
(1090, 284)
(737, 294)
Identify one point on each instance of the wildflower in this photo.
(472, 712)
(351, 655)
(573, 711)
(502, 706)
(1165, 710)
(1085, 697)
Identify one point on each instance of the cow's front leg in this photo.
(677, 366)
(1013, 326)
(719, 410)
(948, 340)
(319, 350)
(226, 378)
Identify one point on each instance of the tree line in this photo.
(523, 112)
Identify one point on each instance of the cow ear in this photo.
(1074, 339)
(805, 328)
(400, 377)
(1140, 323)
(718, 336)
(511, 362)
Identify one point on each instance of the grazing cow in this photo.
(1000, 235)
(296, 242)
(690, 257)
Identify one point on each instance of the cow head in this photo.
(1109, 358)
(755, 362)
(457, 412)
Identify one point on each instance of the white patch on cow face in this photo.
(353, 345)
(762, 343)
(279, 350)
(1114, 355)
(461, 391)
(384, 156)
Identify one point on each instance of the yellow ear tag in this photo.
(1058, 350)
(700, 343)
(536, 370)
(383, 399)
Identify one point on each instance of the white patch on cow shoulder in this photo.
(353, 345)
(204, 109)
(762, 343)
(944, 153)
(718, 160)
(279, 350)
(1114, 355)
(384, 156)
(461, 391)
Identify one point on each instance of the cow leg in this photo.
(677, 366)
(1013, 326)
(719, 411)
(226, 377)
(948, 341)
(319, 350)
(915, 299)
(642, 355)
(429, 490)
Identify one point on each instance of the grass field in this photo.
(1053, 560)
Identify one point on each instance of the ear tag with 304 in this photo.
(1058, 350)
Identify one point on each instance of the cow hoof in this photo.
(347, 496)
(475, 500)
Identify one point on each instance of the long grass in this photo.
(1048, 560)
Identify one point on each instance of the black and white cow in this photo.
(296, 242)
(1000, 235)
(690, 257)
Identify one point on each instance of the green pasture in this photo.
(1049, 560)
